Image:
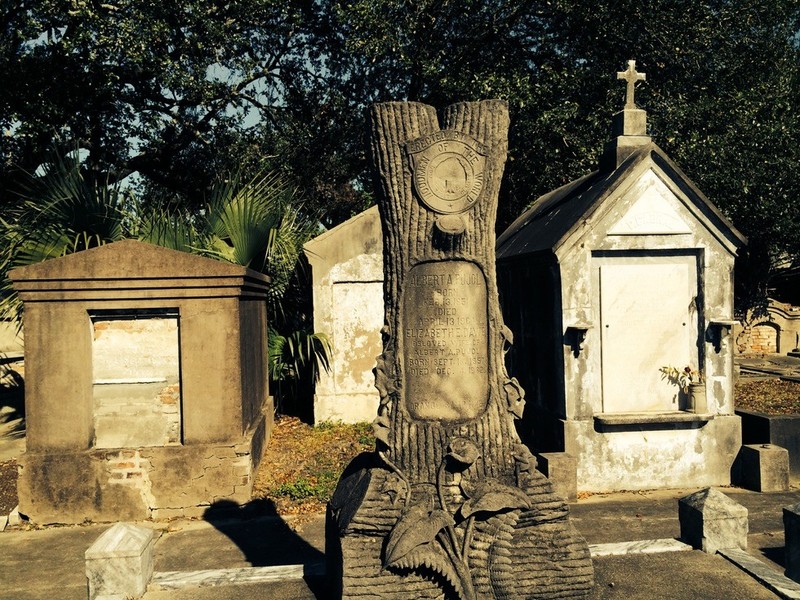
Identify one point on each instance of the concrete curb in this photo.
(773, 581)
(638, 547)
(174, 580)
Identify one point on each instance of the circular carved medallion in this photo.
(448, 170)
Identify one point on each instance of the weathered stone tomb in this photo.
(450, 505)
(347, 275)
(605, 281)
(146, 383)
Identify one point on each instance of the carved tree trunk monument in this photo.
(450, 505)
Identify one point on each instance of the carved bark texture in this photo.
(508, 552)
(409, 239)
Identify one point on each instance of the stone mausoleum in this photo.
(777, 332)
(603, 282)
(146, 384)
(347, 280)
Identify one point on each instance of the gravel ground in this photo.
(8, 486)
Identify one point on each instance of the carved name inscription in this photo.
(445, 341)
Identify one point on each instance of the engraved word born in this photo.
(448, 170)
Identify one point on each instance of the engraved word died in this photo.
(448, 170)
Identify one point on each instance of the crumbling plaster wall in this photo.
(126, 484)
(347, 270)
(777, 331)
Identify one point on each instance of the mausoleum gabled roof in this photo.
(130, 269)
(360, 235)
(561, 214)
(564, 216)
(349, 233)
(131, 259)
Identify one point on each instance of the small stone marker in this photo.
(561, 469)
(791, 536)
(711, 521)
(119, 564)
(450, 504)
(764, 467)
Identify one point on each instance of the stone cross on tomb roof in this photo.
(631, 76)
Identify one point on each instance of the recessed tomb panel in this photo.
(445, 360)
(136, 378)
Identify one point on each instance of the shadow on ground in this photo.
(266, 539)
(775, 554)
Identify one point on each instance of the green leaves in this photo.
(179, 92)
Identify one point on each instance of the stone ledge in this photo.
(639, 547)
(770, 579)
(634, 418)
(175, 580)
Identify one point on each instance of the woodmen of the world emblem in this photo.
(448, 170)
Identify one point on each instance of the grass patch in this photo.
(302, 464)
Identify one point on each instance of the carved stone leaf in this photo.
(492, 496)
(383, 380)
(508, 338)
(394, 487)
(434, 558)
(515, 396)
(380, 429)
(523, 457)
(416, 527)
(462, 452)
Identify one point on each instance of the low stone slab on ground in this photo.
(768, 577)
(178, 580)
(673, 575)
(638, 547)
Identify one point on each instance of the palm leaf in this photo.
(173, 230)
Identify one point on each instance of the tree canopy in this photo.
(178, 92)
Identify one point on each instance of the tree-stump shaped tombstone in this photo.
(450, 505)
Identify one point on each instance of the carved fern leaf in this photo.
(431, 556)
(416, 527)
(380, 428)
(491, 496)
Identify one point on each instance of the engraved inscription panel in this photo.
(445, 341)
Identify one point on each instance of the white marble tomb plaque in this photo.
(445, 341)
